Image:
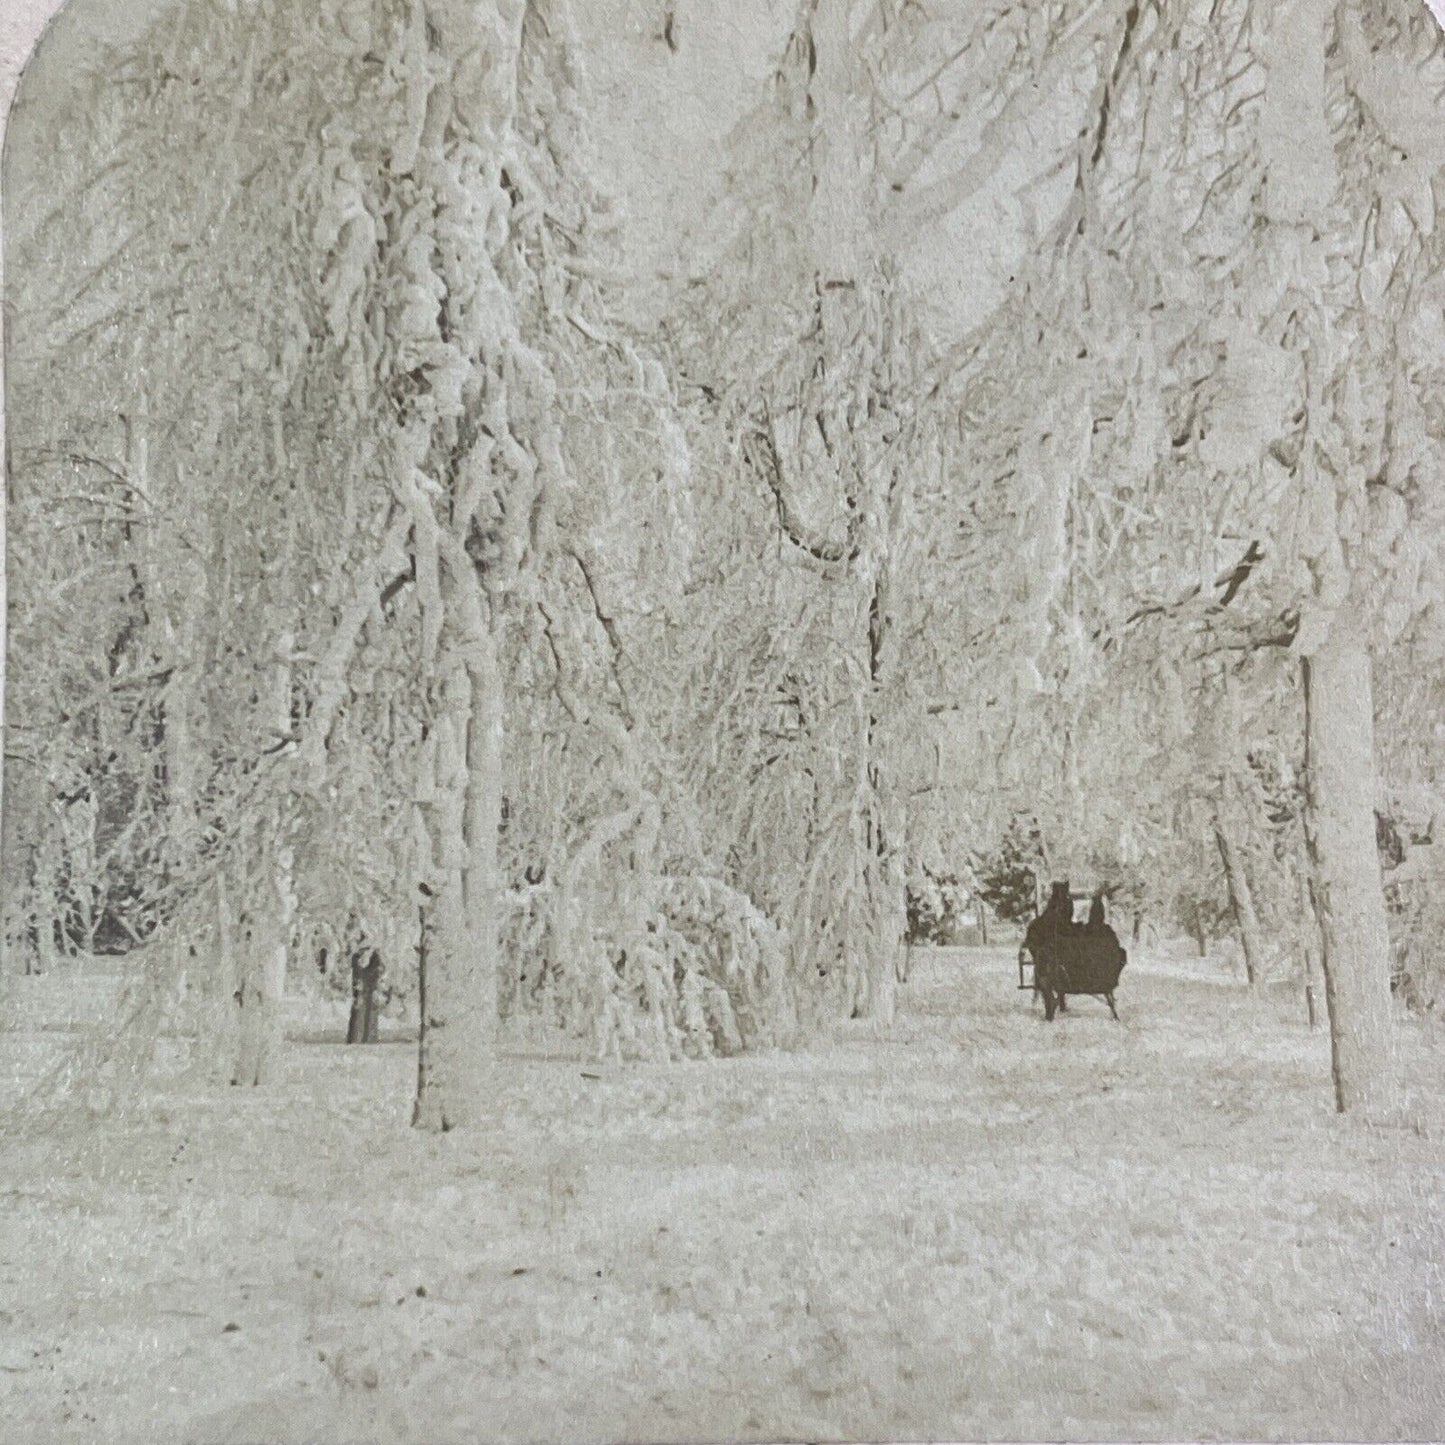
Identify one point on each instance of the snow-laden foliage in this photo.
(441, 486)
(1230, 450)
(849, 630)
(380, 579)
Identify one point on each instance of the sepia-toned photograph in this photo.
(724, 721)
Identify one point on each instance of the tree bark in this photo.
(840, 222)
(444, 1075)
(248, 1061)
(463, 109)
(1241, 899)
(458, 1024)
(423, 940)
(218, 995)
(266, 940)
(20, 858)
(486, 737)
(261, 980)
(1201, 934)
(1309, 932)
(1345, 868)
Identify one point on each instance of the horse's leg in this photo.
(1109, 999)
(1049, 1005)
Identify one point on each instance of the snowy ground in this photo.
(979, 1226)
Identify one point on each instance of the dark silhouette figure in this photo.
(1071, 958)
(1059, 910)
(365, 1012)
(1052, 924)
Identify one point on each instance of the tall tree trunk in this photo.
(273, 959)
(466, 96)
(458, 1025)
(841, 212)
(20, 859)
(214, 967)
(182, 762)
(486, 736)
(1345, 868)
(266, 940)
(446, 1082)
(218, 993)
(1241, 899)
(262, 948)
(886, 885)
(249, 1031)
(1201, 932)
(423, 949)
(1309, 932)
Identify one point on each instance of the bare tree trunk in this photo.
(1241, 899)
(423, 941)
(20, 858)
(486, 736)
(214, 970)
(266, 939)
(841, 212)
(1201, 933)
(260, 993)
(277, 951)
(444, 1075)
(182, 765)
(463, 818)
(888, 916)
(1345, 867)
(251, 1004)
(458, 1025)
(218, 995)
(1309, 932)
(886, 888)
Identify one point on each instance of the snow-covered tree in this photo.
(444, 515)
(1231, 429)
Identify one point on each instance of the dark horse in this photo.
(1073, 958)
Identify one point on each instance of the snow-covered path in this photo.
(976, 1226)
